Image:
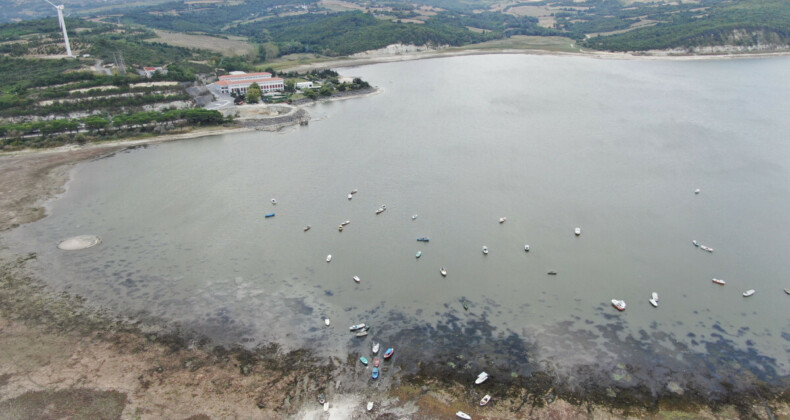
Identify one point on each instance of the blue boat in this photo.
(423, 239)
(270, 215)
(375, 373)
(388, 353)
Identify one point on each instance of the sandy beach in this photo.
(61, 358)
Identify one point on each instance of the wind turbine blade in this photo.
(51, 3)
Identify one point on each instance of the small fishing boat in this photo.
(654, 295)
(526, 248)
(356, 279)
(485, 250)
(350, 196)
(321, 399)
(375, 373)
(748, 293)
(443, 271)
(388, 353)
(653, 302)
(618, 304)
(269, 215)
(340, 228)
(482, 377)
(577, 231)
(706, 248)
(419, 254)
(274, 201)
(354, 191)
(326, 322)
(326, 406)
(362, 333)
(423, 239)
(306, 228)
(695, 243)
(376, 362)
(345, 223)
(463, 415)
(719, 281)
(413, 217)
(466, 306)
(502, 219)
(380, 210)
(375, 348)
(696, 191)
(364, 360)
(356, 327)
(552, 273)
(370, 405)
(787, 291)
(485, 400)
(329, 258)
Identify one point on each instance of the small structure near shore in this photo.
(79, 242)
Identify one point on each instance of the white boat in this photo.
(326, 321)
(345, 223)
(748, 293)
(370, 405)
(502, 219)
(443, 271)
(719, 281)
(356, 279)
(526, 248)
(577, 231)
(653, 302)
(485, 400)
(340, 228)
(350, 196)
(696, 191)
(329, 258)
(695, 243)
(375, 348)
(362, 333)
(357, 327)
(706, 248)
(419, 254)
(326, 406)
(787, 291)
(274, 201)
(414, 217)
(482, 377)
(618, 304)
(463, 415)
(654, 295)
(380, 210)
(485, 250)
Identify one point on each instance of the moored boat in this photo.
(388, 353)
(375, 373)
(502, 219)
(423, 239)
(443, 271)
(706, 248)
(696, 191)
(653, 302)
(552, 273)
(419, 254)
(463, 415)
(577, 231)
(380, 210)
(485, 250)
(356, 279)
(375, 348)
(326, 321)
(306, 228)
(362, 333)
(654, 295)
(695, 243)
(719, 281)
(526, 248)
(345, 223)
(356, 327)
(485, 400)
(364, 360)
(350, 196)
(267, 215)
(413, 217)
(370, 405)
(329, 258)
(340, 228)
(466, 306)
(787, 291)
(482, 377)
(354, 191)
(748, 293)
(274, 201)
(618, 304)
(376, 362)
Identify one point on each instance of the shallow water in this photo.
(551, 143)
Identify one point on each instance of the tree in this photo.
(290, 86)
(253, 93)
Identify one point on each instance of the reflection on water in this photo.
(550, 143)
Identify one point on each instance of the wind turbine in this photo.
(63, 27)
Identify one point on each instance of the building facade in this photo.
(239, 82)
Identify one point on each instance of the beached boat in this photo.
(329, 258)
(356, 327)
(552, 273)
(274, 201)
(485, 250)
(269, 215)
(482, 377)
(375, 348)
(356, 279)
(306, 228)
(695, 243)
(502, 219)
(485, 400)
(526, 248)
(364, 360)
(423, 239)
(748, 293)
(653, 302)
(577, 231)
(719, 281)
(326, 322)
(362, 333)
(370, 405)
(376, 362)
(321, 399)
(345, 223)
(413, 217)
(375, 373)
(443, 271)
(419, 254)
(618, 304)
(388, 353)
(463, 415)
(326, 406)
(706, 248)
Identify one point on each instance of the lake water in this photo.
(614, 147)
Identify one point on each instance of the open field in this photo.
(524, 42)
(228, 47)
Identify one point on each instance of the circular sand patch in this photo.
(79, 242)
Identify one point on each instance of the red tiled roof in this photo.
(149, 68)
(234, 76)
(262, 79)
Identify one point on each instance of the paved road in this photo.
(221, 100)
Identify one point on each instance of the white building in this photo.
(239, 82)
(304, 85)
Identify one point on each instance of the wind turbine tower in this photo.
(63, 27)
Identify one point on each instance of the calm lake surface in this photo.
(614, 147)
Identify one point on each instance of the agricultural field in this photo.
(225, 46)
